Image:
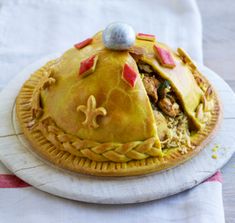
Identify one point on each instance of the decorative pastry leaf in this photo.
(44, 83)
(186, 58)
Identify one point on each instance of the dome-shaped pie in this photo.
(118, 113)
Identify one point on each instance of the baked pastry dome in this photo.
(104, 112)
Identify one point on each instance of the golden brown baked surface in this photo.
(101, 122)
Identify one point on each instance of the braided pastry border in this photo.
(116, 152)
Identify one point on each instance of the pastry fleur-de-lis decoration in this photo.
(91, 112)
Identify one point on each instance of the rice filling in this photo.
(172, 122)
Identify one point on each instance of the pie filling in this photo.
(172, 122)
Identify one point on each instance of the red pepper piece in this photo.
(88, 65)
(129, 75)
(164, 57)
(83, 43)
(144, 36)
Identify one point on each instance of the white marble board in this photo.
(16, 154)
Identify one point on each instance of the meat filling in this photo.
(151, 85)
(159, 91)
(169, 107)
(172, 123)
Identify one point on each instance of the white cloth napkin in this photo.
(30, 30)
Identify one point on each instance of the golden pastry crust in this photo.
(89, 111)
(62, 149)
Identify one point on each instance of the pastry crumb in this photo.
(183, 150)
(214, 156)
(215, 148)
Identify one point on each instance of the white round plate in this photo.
(16, 154)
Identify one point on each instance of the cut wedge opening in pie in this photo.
(118, 113)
